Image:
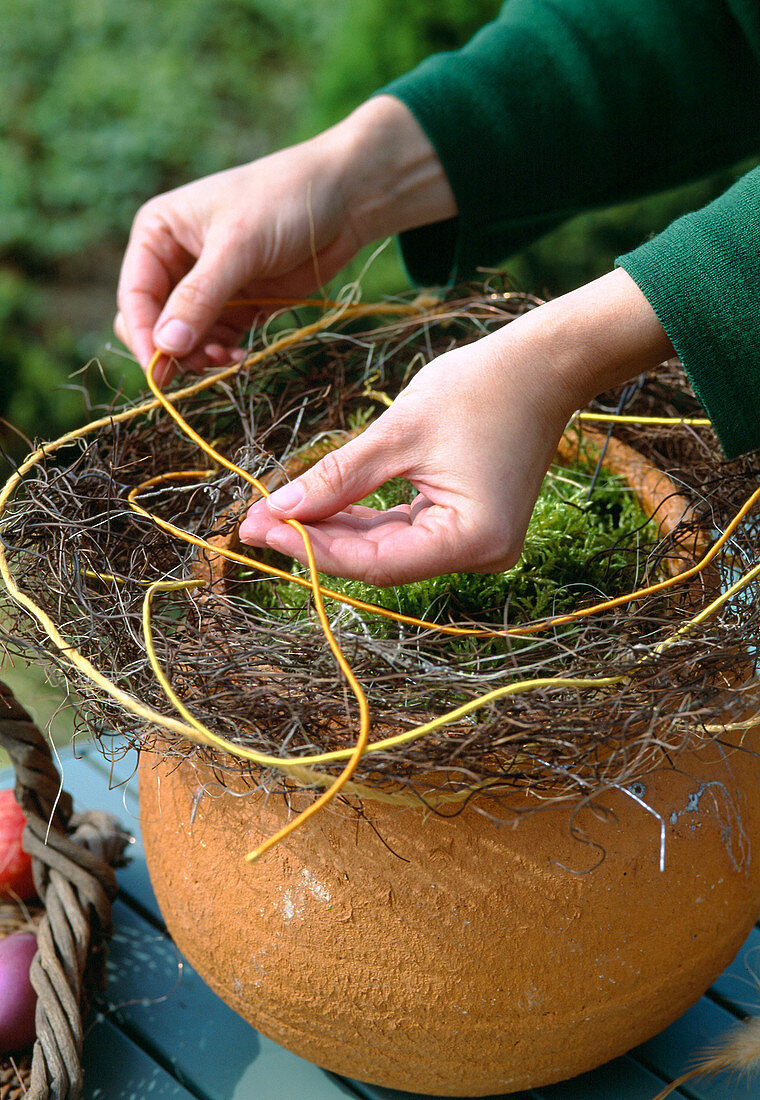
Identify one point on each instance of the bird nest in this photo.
(113, 538)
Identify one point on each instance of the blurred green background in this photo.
(104, 103)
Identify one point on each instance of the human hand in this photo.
(464, 433)
(240, 234)
(273, 229)
(475, 432)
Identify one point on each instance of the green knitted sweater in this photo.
(559, 106)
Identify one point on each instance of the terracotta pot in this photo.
(453, 956)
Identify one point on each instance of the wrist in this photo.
(604, 333)
(390, 175)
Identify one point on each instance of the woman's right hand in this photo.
(276, 228)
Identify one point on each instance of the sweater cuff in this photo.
(702, 278)
(430, 254)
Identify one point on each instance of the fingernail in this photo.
(287, 497)
(175, 336)
(246, 532)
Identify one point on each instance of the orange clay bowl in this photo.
(456, 957)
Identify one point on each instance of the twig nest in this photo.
(442, 954)
(455, 956)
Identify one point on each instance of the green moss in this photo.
(577, 546)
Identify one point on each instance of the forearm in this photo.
(611, 332)
(391, 177)
(590, 340)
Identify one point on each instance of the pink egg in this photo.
(17, 997)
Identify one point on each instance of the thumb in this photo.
(340, 478)
(197, 301)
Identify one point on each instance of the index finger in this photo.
(153, 264)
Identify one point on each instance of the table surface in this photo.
(159, 1033)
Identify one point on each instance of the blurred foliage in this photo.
(106, 103)
(45, 383)
(378, 40)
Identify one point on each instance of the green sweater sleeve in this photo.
(702, 278)
(564, 105)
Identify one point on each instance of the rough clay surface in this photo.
(467, 960)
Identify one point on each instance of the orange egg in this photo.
(15, 864)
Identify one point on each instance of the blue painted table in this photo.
(158, 1033)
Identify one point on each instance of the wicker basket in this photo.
(73, 856)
